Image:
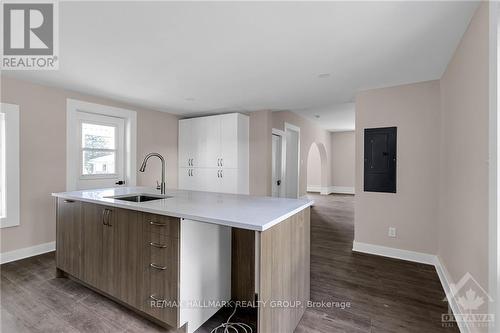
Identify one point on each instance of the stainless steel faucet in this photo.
(143, 168)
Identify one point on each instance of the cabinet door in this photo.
(203, 179)
(121, 254)
(92, 241)
(186, 142)
(228, 181)
(209, 141)
(197, 133)
(229, 141)
(68, 244)
(184, 174)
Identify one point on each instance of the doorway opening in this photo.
(317, 169)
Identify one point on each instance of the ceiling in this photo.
(193, 58)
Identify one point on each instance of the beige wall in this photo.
(309, 134)
(313, 168)
(441, 204)
(260, 137)
(463, 227)
(43, 154)
(343, 158)
(415, 110)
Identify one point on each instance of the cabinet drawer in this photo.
(161, 250)
(163, 225)
(161, 301)
(161, 275)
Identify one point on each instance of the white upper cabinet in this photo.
(229, 141)
(185, 149)
(209, 141)
(209, 149)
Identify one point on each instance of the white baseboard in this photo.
(341, 189)
(423, 258)
(27, 252)
(314, 188)
(330, 189)
(446, 282)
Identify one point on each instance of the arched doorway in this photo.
(317, 174)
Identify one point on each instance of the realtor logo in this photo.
(471, 302)
(29, 35)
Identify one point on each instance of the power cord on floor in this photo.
(228, 327)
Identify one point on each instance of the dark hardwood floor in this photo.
(384, 295)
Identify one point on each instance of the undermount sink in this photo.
(140, 197)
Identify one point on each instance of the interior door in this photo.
(276, 165)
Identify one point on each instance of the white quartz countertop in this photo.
(234, 210)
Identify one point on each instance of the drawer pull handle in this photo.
(157, 224)
(161, 268)
(157, 299)
(161, 246)
(69, 201)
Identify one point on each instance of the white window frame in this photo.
(11, 179)
(74, 110)
(118, 124)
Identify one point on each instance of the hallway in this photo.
(385, 295)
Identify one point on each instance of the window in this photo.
(101, 145)
(98, 149)
(9, 165)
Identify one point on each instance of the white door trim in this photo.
(130, 117)
(494, 166)
(292, 127)
(281, 134)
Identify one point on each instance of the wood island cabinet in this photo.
(68, 238)
(128, 255)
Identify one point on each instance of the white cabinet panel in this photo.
(229, 140)
(185, 142)
(197, 133)
(227, 181)
(186, 179)
(209, 132)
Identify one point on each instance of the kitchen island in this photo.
(178, 258)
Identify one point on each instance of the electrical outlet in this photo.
(392, 232)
